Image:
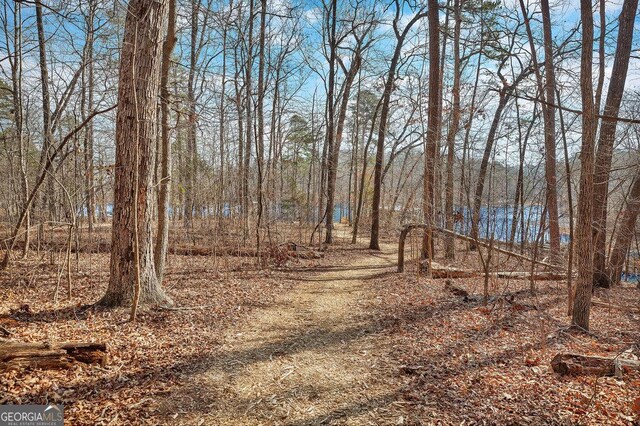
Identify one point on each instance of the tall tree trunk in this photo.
(337, 142)
(433, 126)
(260, 117)
(363, 174)
(249, 125)
(374, 243)
(607, 138)
(546, 90)
(584, 229)
(332, 21)
(567, 168)
(240, 115)
(601, 56)
(221, 122)
(491, 137)
(162, 235)
(550, 133)
(88, 77)
(191, 154)
(15, 61)
(449, 242)
(135, 141)
(49, 195)
(520, 179)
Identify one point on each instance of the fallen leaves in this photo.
(490, 365)
(147, 359)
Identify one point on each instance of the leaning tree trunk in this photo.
(374, 242)
(607, 138)
(491, 136)
(625, 233)
(337, 141)
(135, 143)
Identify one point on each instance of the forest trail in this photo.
(315, 356)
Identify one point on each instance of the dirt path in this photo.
(313, 357)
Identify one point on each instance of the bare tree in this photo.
(584, 242)
(132, 264)
(164, 193)
(401, 36)
(607, 138)
(452, 132)
(433, 126)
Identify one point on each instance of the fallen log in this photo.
(443, 272)
(439, 271)
(20, 355)
(540, 276)
(241, 252)
(493, 247)
(632, 309)
(581, 365)
(406, 229)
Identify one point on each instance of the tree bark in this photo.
(504, 96)
(433, 127)
(584, 229)
(550, 134)
(164, 194)
(337, 142)
(88, 106)
(625, 233)
(49, 196)
(249, 124)
(260, 117)
(135, 140)
(579, 365)
(607, 138)
(331, 168)
(18, 355)
(374, 243)
(449, 242)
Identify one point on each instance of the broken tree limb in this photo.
(580, 365)
(20, 355)
(401, 242)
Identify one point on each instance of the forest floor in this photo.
(338, 340)
(315, 356)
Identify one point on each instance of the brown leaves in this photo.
(490, 365)
(147, 359)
